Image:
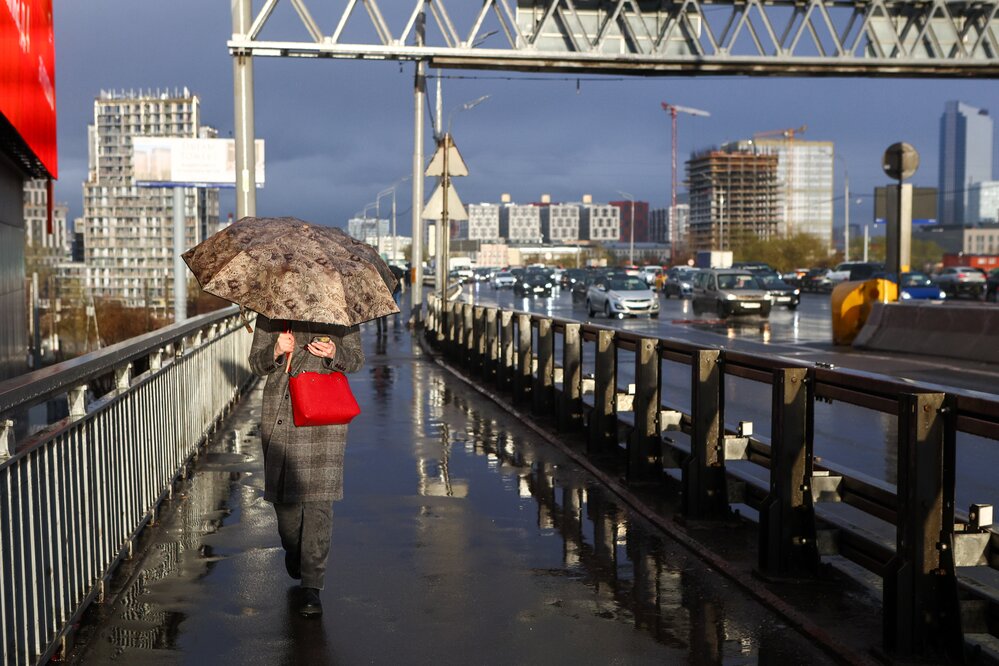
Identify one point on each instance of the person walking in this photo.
(303, 466)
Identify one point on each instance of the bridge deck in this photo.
(462, 538)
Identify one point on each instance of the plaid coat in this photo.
(300, 464)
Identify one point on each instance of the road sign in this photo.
(434, 210)
(455, 165)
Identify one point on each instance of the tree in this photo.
(784, 254)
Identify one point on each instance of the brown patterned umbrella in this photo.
(285, 268)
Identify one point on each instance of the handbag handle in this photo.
(287, 366)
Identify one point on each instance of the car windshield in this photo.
(737, 281)
(772, 280)
(536, 279)
(504, 274)
(916, 280)
(627, 284)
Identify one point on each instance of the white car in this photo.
(503, 280)
(650, 273)
(621, 295)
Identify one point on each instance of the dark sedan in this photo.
(533, 284)
(781, 293)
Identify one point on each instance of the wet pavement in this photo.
(463, 538)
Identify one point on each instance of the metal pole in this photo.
(416, 250)
(242, 74)
(867, 240)
(631, 249)
(672, 202)
(846, 216)
(179, 276)
(393, 223)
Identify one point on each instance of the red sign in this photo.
(27, 76)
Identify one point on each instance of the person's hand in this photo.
(285, 344)
(322, 349)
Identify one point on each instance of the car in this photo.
(730, 292)
(854, 270)
(650, 273)
(534, 283)
(503, 280)
(992, 286)
(753, 266)
(571, 276)
(621, 296)
(483, 274)
(461, 275)
(679, 282)
(816, 279)
(916, 286)
(794, 276)
(962, 281)
(781, 293)
(581, 286)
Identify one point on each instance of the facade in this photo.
(128, 230)
(521, 223)
(983, 203)
(367, 229)
(734, 195)
(560, 222)
(982, 240)
(805, 175)
(44, 247)
(640, 223)
(600, 223)
(484, 222)
(966, 146)
(661, 228)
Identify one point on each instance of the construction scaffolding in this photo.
(734, 196)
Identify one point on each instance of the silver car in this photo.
(621, 295)
(729, 292)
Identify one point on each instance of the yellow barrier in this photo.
(851, 305)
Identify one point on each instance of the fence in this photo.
(936, 563)
(75, 494)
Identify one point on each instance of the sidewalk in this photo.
(462, 538)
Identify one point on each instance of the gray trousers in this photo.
(306, 529)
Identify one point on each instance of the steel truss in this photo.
(656, 37)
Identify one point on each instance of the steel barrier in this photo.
(75, 494)
(937, 564)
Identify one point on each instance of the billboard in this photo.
(27, 76)
(161, 161)
(924, 204)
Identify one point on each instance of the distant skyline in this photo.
(339, 131)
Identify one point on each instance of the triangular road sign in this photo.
(455, 165)
(434, 210)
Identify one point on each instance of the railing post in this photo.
(506, 360)
(705, 491)
(7, 440)
(570, 409)
(543, 394)
(603, 419)
(922, 617)
(525, 358)
(468, 335)
(787, 516)
(453, 328)
(77, 398)
(491, 355)
(645, 444)
(479, 339)
(123, 377)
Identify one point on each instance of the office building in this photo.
(128, 230)
(560, 222)
(983, 203)
(368, 229)
(966, 147)
(805, 180)
(734, 196)
(600, 222)
(521, 223)
(640, 224)
(484, 222)
(662, 229)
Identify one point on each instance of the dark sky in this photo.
(338, 132)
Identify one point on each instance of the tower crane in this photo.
(788, 135)
(673, 110)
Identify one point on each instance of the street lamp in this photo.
(631, 246)
(391, 188)
(465, 107)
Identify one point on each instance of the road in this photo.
(861, 439)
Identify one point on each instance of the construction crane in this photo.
(788, 135)
(673, 110)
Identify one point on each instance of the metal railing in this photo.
(75, 493)
(934, 561)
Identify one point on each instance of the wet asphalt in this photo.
(463, 538)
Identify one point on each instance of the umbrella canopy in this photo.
(285, 268)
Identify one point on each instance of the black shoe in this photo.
(293, 565)
(311, 606)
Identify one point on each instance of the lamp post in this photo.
(390, 189)
(631, 244)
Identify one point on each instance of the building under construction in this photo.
(734, 196)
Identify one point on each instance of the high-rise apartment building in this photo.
(662, 228)
(483, 221)
(128, 230)
(733, 197)
(639, 226)
(521, 222)
(983, 203)
(805, 179)
(600, 222)
(368, 229)
(965, 159)
(560, 222)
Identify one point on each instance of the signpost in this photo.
(444, 204)
(900, 162)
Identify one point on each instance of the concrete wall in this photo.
(13, 315)
(967, 331)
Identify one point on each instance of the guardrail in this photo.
(76, 493)
(940, 591)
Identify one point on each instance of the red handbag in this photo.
(322, 399)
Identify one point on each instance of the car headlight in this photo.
(548, 284)
(906, 296)
(655, 304)
(730, 297)
(797, 292)
(685, 285)
(943, 294)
